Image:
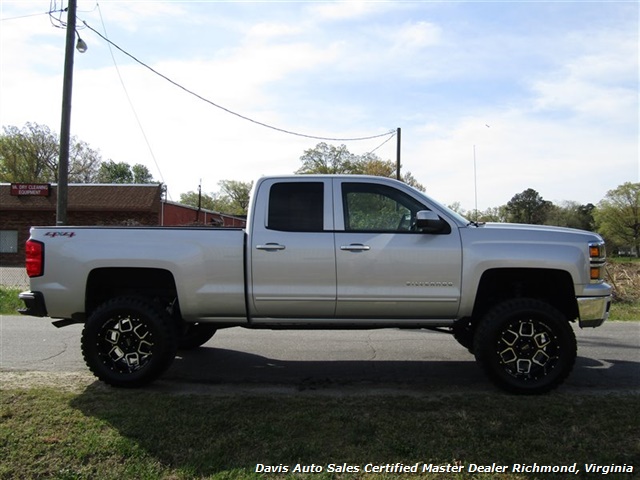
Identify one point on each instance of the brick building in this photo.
(177, 214)
(92, 204)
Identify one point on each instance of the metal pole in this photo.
(398, 144)
(65, 127)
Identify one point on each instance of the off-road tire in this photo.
(525, 346)
(128, 342)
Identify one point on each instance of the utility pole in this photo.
(398, 144)
(65, 127)
(199, 202)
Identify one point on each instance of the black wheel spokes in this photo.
(527, 350)
(126, 344)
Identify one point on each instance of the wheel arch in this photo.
(110, 282)
(552, 286)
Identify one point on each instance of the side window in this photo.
(378, 208)
(296, 207)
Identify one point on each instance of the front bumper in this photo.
(593, 310)
(33, 304)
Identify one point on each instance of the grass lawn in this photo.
(9, 301)
(107, 433)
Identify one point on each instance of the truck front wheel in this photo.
(525, 346)
(128, 342)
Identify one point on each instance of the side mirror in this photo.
(428, 221)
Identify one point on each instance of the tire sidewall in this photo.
(155, 320)
(541, 314)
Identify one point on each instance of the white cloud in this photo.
(416, 35)
(345, 9)
(136, 15)
(561, 160)
(599, 84)
(272, 30)
(562, 104)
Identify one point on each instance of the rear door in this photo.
(293, 267)
(385, 267)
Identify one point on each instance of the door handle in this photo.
(270, 246)
(355, 247)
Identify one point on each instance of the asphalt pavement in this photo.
(329, 360)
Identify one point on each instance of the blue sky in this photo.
(546, 91)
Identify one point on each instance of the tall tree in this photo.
(325, 158)
(492, 214)
(193, 199)
(238, 194)
(528, 207)
(573, 215)
(30, 154)
(233, 198)
(112, 172)
(618, 216)
(141, 174)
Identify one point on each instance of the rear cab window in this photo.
(296, 207)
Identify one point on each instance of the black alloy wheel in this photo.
(525, 346)
(128, 342)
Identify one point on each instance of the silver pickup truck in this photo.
(324, 252)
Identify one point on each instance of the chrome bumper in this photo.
(593, 310)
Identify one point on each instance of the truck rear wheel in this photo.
(128, 342)
(525, 346)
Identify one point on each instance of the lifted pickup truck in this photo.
(332, 252)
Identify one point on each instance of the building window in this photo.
(8, 241)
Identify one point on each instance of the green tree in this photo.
(528, 207)
(233, 198)
(492, 214)
(30, 154)
(329, 159)
(573, 215)
(618, 216)
(192, 199)
(112, 172)
(237, 195)
(141, 174)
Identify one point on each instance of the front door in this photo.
(385, 267)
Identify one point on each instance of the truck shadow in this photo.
(223, 367)
(219, 410)
(230, 367)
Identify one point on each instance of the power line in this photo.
(391, 135)
(135, 114)
(200, 97)
(24, 16)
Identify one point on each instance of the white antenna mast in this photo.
(475, 181)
